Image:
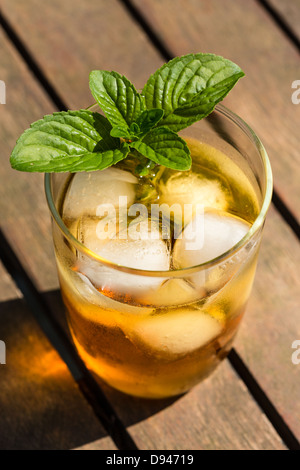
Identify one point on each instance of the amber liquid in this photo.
(165, 347)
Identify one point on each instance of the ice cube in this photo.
(90, 190)
(149, 252)
(188, 188)
(218, 233)
(95, 297)
(88, 300)
(174, 292)
(175, 333)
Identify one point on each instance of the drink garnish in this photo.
(143, 125)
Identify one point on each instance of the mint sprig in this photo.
(145, 125)
(188, 88)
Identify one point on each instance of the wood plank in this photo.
(41, 406)
(98, 445)
(245, 33)
(7, 289)
(24, 212)
(272, 322)
(103, 33)
(149, 60)
(290, 12)
(218, 414)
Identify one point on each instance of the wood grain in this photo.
(7, 289)
(41, 406)
(69, 39)
(24, 212)
(52, 40)
(98, 445)
(272, 322)
(245, 33)
(218, 414)
(290, 12)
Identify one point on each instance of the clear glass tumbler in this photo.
(183, 326)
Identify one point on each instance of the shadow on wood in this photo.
(41, 406)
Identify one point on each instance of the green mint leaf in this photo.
(148, 119)
(117, 97)
(165, 147)
(103, 128)
(67, 141)
(141, 170)
(188, 88)
(120, 132)
(54, 161)
(84, 127)
(134, 129)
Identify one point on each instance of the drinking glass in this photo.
(187, 319)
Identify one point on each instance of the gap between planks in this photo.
(281, 22)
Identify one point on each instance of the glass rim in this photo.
(258, 223)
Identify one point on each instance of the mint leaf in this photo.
(148, 119)
(134, 129)
(67, 141)
(188, 88)
(55, 161)
(144, 123)
(165, 147)
(84, 127)
(120, 132)
(117, 97)
(103, 128)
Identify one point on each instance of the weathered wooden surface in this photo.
(218, 414)
(41, 406)
(60, 52)
(24, 212)
(272, 322)
(71, 38)
(245, 33)
(289, 11)
(97, 445)
(7, 289)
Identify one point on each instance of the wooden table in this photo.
(48, 400)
